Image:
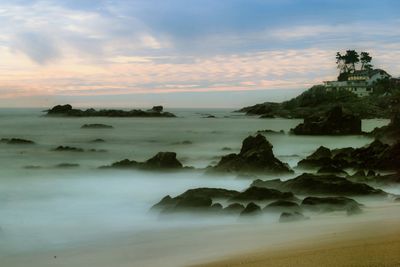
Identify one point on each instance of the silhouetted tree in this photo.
(366, 61)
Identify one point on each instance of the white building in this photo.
(360, 82)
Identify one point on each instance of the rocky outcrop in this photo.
(16, 141)
(234, 208)
(255, 193)
(96, 126)
(256, 155)
(335, 122)
(390, 132)
(68, 111)
(310, 184)
(328, 204)
(376, 156)
(161, 161)
(68, 149)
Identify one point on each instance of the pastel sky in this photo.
(183, 53)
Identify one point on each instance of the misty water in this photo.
(43, 207)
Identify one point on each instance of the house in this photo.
(360, 82)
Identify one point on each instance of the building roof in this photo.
(368, 73)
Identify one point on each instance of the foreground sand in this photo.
(360, 247)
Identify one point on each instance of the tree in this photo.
(351, 58)
(366, 61)
(340, 61)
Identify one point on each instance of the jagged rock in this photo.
(251, 209)
(282, 206)
(96, 126)
(328, 204)
(255, 193)
(335, 122)
(68, 149)
(162, 160)
(291, 217)
(310, 184)
(256, 155)
(67, 110)
(16, 141)
(234, 208)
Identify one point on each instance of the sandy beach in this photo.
(362, 246)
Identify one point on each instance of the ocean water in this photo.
(45, 207)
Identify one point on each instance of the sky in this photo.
(183, 53)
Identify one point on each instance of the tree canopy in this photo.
(348, 62)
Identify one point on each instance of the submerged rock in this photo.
(292, 216)
(256, 155)
(16, 141)
(68, 149)
(96, 126)
(251, 209)
(310, 184)
(327, 204)
(67, 165)
(335, 122)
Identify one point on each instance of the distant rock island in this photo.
(68, 111)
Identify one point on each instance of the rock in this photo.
(96, 126)
(328, 204)
(256, 155)
(291, 217)
(335, 122)
(310, 184)
(68, 148)
(268, 131)
(216, 207)
(391, 131)
(234, 208)
(67, 165)
(214, 193)
(321, 152)
(164, 160)
(98, 140)
(68, 111)
(226, 149)
(397, 199)
(161, 161)
(282, 206)
(192, 203)
(331, 169)
(255, 193)
(16, 141)
(251, 209)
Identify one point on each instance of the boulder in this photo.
(60, 109)
(68, 149)
(67, 165)
(251, 209)
(255, 193)
(282, 206)
(161, 161)
(96, 126)
(292, 217)
(256, 155)
(335, 122)
(234, 208)
(328, 204)
(310, 184)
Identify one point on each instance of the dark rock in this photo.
(164, 160)
(67, 110)
(335, 122)
(234, 208)
(282, 206)
(98, 140)
(328, 204)
(214, 193)
(67, 165)
(16, 141)
(292, 217)
(96, 126)
(68, 148)
(255, 193)
(331, 169)
(161, 161)
(216, 207)
(251, 209)
(226, 149)
(193, 202)
(310, 184)
(256, 155)
(268, 131)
